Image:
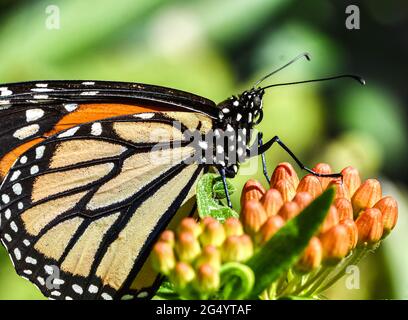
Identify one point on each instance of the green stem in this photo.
(310, 278)
(320, 279)
(237, 281)
(356, 257)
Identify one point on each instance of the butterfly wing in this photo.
(33, 111)
(81, 209)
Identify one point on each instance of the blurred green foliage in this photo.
(218, 48)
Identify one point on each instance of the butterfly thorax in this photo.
(233, 129)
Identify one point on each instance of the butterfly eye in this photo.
(257, 102)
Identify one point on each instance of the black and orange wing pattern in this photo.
(32, 111)
(82, 205)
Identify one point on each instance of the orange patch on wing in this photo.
(94, 112)
(8, 160)
(84, 113)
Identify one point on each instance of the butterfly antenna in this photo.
(352, 76)
(300, 56)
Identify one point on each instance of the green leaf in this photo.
(218, 188)
(285, 247)
(208, 193)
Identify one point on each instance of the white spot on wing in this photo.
(93, 289)
(68, 133)
(77, 288)
(34, 169)
(71, 107)
(106, 296)
(88, 83)
(23, 159)
(34, 114)
(17, 189)
(39, 152)
(146, 115)
(7, 237)
(31, 260)
(13, 226)
(96, 129)
(17, 253)
(26, 132)
(49, 269)
(15, 175)
(41, 280)
(58, 282)
(5, 198)
(5, 92)
(7, 214)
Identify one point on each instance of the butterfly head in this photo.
(244, 110)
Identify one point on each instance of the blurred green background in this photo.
(218, 48)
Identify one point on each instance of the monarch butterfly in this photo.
(82, 200)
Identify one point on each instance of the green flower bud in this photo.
(163, 259)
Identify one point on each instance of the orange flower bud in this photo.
(344, 208)
(272, 202)
(252, 189)
(253, 216)
(269, 228)
(182, 275)
(351, 179)
(323, 168)
(331, 219)
(213, 234)
(312, 256)
(289, 210)
(310, 184)
(284, 171)
(352, 231)
(189, 225)
(237, 248)
(303, 199)
(366, 196)
(210, 255)
(187, 247)
(286, 188)
(389, 211)
(233, 227)
(335, 243)
(340, 188)
(369, 225)
(208, 279)
(208, 220)
(163, 259)
(167, 236)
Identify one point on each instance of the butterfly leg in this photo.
(264, 168)
(264, 147)
(224, 182)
